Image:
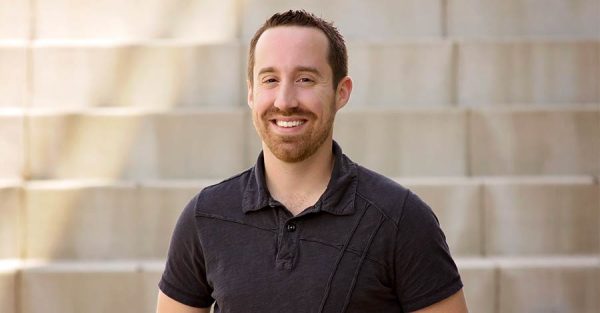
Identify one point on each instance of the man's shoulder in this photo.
(220, 197)
(387, 195)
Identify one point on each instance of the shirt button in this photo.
(291, 227)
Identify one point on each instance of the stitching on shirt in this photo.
(379, 209)
(338, 261)
(362, 260)
(227, 219)
(351, 250)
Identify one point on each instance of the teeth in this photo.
(289, 124)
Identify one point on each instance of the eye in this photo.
(269, 80)
(305, 80)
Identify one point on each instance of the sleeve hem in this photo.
(180, 297)
(440, 295)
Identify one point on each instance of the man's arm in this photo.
(454, 304)
(168, 305)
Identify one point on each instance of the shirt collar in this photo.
(337, 199)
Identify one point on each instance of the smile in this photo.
(289, 124)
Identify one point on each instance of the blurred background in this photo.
(113, 114)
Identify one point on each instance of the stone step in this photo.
(492, 285)
(519, 18)
(97, 220)
(14, 68)
(207, 20)
(537, 72)
(534, 141)
(169, 74)
(12, 143)
(370, 20)
(132, 144)
(138, 144)
(151, 74)
(212, 20)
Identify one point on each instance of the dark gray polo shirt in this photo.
(367, 245)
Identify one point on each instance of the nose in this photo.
(286, 97)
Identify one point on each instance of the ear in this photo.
(250, 94)
(344, 89)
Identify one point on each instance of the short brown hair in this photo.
(337, 54)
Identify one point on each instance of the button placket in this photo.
(288, 246)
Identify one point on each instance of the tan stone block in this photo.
(393, 74)
(13, 73)
(151, 75)
(8, 287)
(81, 287)
(14, 19)
(480, 280)
(161, 204)
(541, 216)
(82, 220)
(11, 144)
(10, 220)
(200, 144)
(370, 20)
(529, 18)
(136, 145)
(87, 145)
(528, 72)
(151, 274)
(456, 203)
(206, 20)
(535, 141)
(550, 285)
(400, 142)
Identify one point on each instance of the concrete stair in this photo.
(558, 284)
(113, 115)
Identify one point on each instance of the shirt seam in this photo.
(352, 250)
(232, 220)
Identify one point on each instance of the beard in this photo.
(294, 148)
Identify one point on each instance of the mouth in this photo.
(288, 123)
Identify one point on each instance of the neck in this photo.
(301, 184)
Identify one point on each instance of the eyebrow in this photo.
(309, 69)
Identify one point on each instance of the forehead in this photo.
(285, 47)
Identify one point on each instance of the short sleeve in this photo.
(424, 270)
(184, 278)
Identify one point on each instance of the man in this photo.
(306, 229)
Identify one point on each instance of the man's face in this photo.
(292, 97)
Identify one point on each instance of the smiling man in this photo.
(306, 229)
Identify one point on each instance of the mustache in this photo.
(295, 111)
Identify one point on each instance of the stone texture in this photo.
(541, 216)
(205, 21)
(81, 287)
(456, 202)
(203, 145)
(535, 141)
(14, 19)
(82, 220)
(13, 73)
(524, 18)
(480, 279)
(136, 145)
(11, 144)
(150, 75)
(528, 72)
(398, 142)
(8, 286)
(10, 221)
(151, 274)
(395, 74)
(161, 204)
(356, 19)
(562, 285)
